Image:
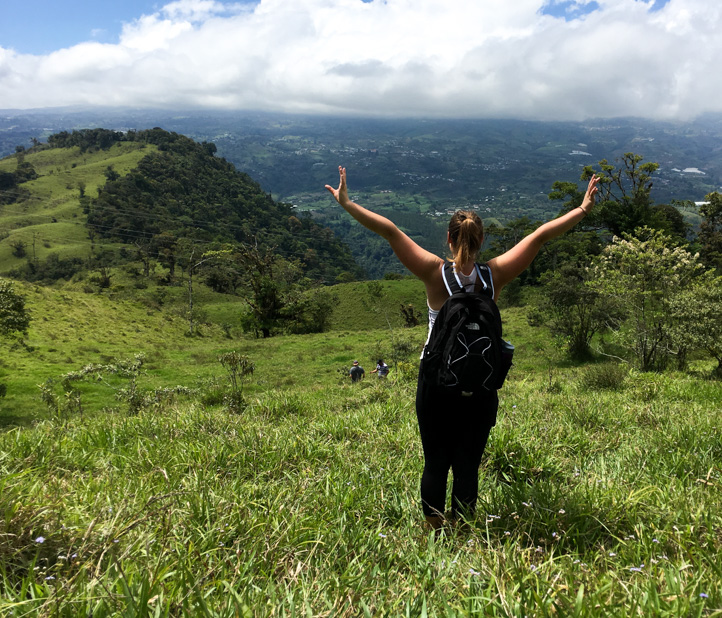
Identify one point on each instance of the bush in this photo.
(212, 392)
(19, 248)
(234, 402)
(609, 376)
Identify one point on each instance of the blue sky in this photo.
(43, 26)
(570, 10)
(535, 59)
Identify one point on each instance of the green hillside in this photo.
(145, 191)
(160, 461)
(599, 487)
(48, 217)
(71, 328)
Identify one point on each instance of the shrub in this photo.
(212, 392)
(14, 317)
(19, 248)
(610, 376)
(645, 273)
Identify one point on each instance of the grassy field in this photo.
(51, 219)
(71, 328)
(599, 492)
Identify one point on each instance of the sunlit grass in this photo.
(51, 217)
(597, 498)
(307, 503)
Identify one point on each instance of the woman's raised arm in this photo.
(418, 260)
(507, 266)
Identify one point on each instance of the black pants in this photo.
(454, 430)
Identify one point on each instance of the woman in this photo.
(454, 430)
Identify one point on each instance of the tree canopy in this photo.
(14, 318)
(181, 190)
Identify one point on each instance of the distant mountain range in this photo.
(451, 160)
(414, 170)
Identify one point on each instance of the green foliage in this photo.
(695, 315)
(308, 311)
(183, 191)
(14, 317)
(63, 396)
(10, 190)
(150, 189)
(624, 199)
(238, 367)
(574, 310)
(69, 401)
(710, 231)
(270, 279)
(609, 376)
(20, 248)
(53, 268)
(645, 273)
(87, 139)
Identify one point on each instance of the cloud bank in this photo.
(535, 59)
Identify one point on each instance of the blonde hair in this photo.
(466, 233)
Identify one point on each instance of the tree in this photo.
(645, 272)
(575, 310)
(503, 238)
(624, 201)
(164, 245)
(192, 263)
(696, 318)
(20, 248)
(143, 253)
(671, 221)
(279, 298)
(111, 174)
(307, 311)
(265, 299)
(14, 317)
(224, 276)
(710, 231)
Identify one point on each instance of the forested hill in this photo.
(181, 190)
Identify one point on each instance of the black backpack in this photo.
(466, 353)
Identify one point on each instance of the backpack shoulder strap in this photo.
(483, 273)
(451, 281)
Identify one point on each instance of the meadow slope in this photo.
(599, 491)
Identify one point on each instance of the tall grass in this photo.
(599, 490)
(592, 503)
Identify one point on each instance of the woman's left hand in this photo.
(590, 195)
(340, 194)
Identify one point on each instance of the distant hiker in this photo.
(382, 369)
(455, 425)
(356, 372)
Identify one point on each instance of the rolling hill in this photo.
(91, 191)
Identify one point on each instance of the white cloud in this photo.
(394, 57)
